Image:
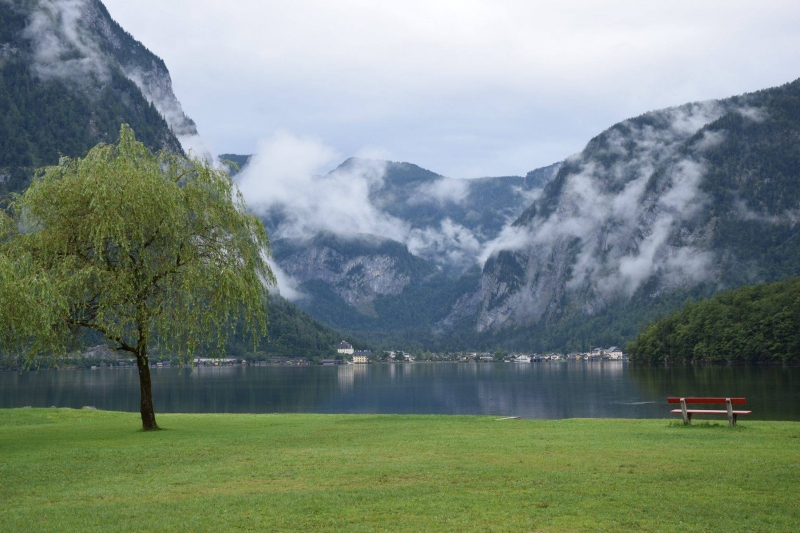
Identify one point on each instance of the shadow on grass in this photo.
(706, 425)
(159, 429)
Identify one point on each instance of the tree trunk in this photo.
(146, 390)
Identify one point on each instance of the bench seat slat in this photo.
(709, 412)
(735, 401)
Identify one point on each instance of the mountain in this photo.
(676, 203)
(369, 284)
(382, 246)
(425, 199)
(69, 77)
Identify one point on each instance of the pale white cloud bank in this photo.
(290, 178)
(291, 174)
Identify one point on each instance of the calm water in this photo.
(535, 390)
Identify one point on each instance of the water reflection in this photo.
(534, 390)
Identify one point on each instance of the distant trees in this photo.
(145, 249)
(292, 333)
(750, 324)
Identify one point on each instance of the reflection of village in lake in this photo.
(555, 389)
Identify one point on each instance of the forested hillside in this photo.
(755, 324)
(46, 114)
(292, 333)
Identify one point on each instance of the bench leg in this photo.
(731, 416)
(687, 417)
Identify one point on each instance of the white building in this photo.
(614, 353)
(345, 347)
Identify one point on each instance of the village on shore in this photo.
(103, 357)
(345, 349)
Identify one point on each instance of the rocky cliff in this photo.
(702, 195)
(422, 235)
(358, 279)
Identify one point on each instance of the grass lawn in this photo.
(68, 470)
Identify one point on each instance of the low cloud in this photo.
(449, 245)
(441, 191)
(789, 217)
(289, 174)
(61, 49)
(618, 223)
(756, 114)
(286, 286)
(289, 180)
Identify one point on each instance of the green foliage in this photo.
(750, 324)
(134, 245)
(292, 333)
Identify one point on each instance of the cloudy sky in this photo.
(466, 88)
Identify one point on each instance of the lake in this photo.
(533, 390)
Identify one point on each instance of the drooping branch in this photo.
(124, 346)
(137, 247)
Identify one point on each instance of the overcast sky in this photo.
(465, 88)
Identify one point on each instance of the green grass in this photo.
(67, 470)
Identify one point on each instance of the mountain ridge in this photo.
(671, 205)
(699, 181)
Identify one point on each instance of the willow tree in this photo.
(149, 250)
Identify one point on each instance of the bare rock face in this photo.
(642, 206)
(358, 280)
(146, 70)
(79, 43)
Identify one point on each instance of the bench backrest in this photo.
(736, 401)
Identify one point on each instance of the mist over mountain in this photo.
(673, 204)
(373, 244)
(69, 76)
(682, 201)
(443, 220)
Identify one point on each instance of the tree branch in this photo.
(124, 346)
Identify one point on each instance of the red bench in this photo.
(687, 413)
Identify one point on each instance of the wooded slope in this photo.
(759, 323)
